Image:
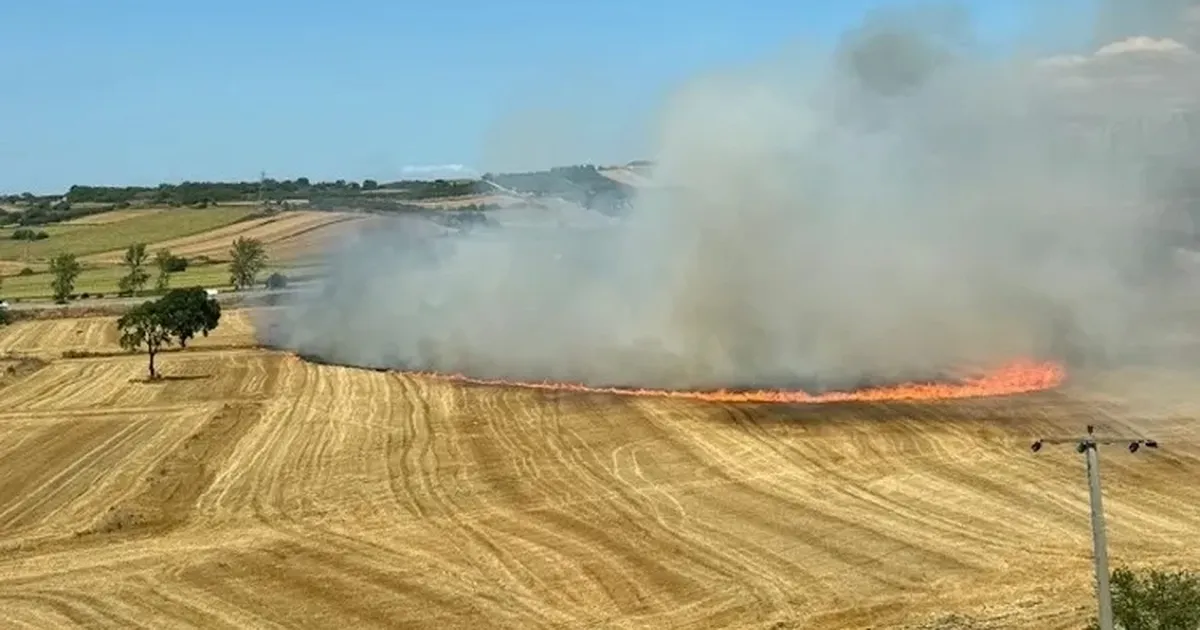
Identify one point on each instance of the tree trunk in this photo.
(153, 374)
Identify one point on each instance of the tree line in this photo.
(566, 180)
(248, 259)
(81, 201)
(584, 185)
(191, 193)
(195, 192)
(43, 211)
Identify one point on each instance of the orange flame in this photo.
(1017, 377)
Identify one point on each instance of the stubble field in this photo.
(251, 489)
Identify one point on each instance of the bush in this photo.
(27, 234)
(25, 271)
(1155, 600)
(276, 281)
(84, 296)
(177, 264)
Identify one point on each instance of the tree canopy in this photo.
(142, 326)
(1155, 600)
(248, 257)
(64, 268)
(135, 261)
(178, 316)
(186, 312)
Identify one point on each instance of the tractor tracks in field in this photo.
(168, 498)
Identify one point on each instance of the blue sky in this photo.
(120, 92)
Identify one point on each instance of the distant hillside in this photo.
(585, 185)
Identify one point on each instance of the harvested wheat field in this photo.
(114, 216)
(251, 489)
(279, 234)
(51, 338)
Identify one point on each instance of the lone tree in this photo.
(142, 325)
(135, 261)
(65, 268)
(247, 259)
(186, 312)
(177, 315)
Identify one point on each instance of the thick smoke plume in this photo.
(901, 207)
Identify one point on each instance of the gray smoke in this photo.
(903, 207)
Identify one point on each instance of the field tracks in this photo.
(254, 489)
(169, 496)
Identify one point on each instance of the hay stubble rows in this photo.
(253, 489)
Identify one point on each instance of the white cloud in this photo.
(1143, 44)
(1137, 73)
(1130, 47)
(435, 171)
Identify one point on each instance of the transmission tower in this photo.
(1087, 446)
(262, 183)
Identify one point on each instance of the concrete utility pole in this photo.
(1087, 445)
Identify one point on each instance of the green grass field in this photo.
(104, 280)
(82, 240)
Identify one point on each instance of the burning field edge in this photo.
(1015, 377)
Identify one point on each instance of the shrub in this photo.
(25, 271)
(28, 234)
(1155, 600)
(177, 264)
(276, 281)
